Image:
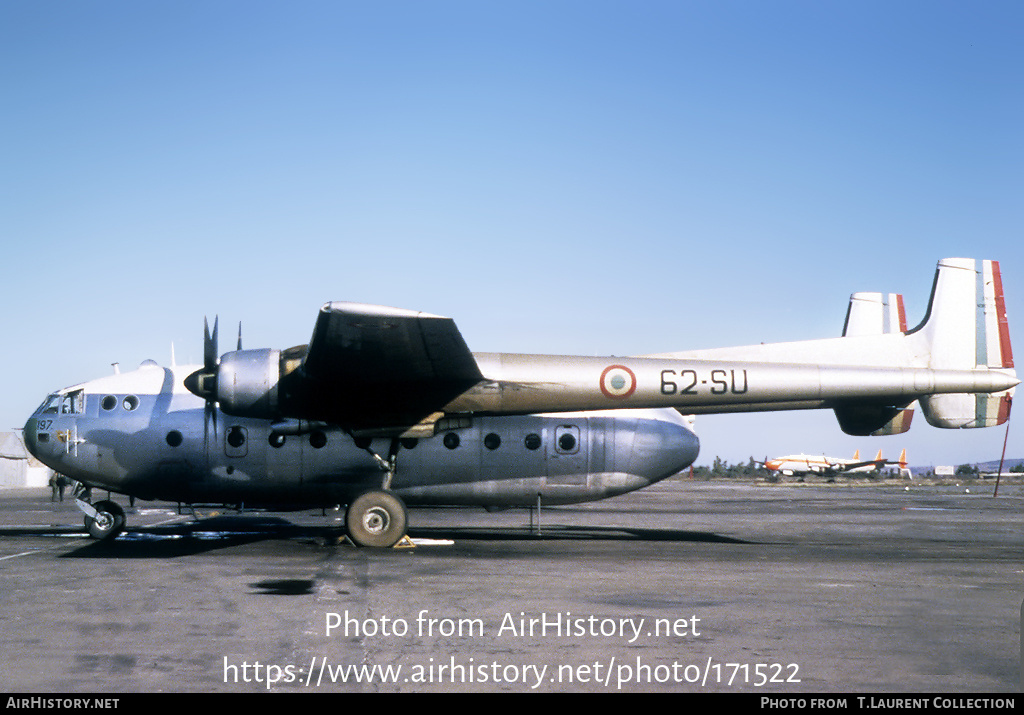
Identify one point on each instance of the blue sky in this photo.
(558, 176)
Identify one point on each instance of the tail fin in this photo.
(904, 469)
(966, 328)
(875, 314)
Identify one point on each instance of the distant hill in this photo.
(989, 467)
(992, 466)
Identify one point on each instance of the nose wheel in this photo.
(376, 518)
(104, 520)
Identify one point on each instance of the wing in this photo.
(370, 366)
(876, 463)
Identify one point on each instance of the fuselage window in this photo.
(492, 441)
(451, 440)
(174, 438)
(276, 440)
(532, 441)
(109, 402)
(317, 439)
(567, 442)
(130, 402)
(236, 437)
(409, 442)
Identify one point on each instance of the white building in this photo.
(18, 468)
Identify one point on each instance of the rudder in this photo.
(966, 328)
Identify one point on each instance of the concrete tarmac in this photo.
(682, 587)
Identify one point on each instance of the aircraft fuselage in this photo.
(142, 434)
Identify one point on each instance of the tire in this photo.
(376, 518)
(108, 523)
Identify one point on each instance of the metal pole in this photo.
(1009, 403)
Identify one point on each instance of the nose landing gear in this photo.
(104, 520)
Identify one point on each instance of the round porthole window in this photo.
(174, 438)
(109, 402)
(236, 437)
(492, 441)
(532, 441)
(317, 439)
(130, 402)
(451, 440)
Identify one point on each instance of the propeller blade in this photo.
(203, 382)
(210, 415)
(210, 345)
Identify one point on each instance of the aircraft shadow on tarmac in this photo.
(221, 532)
(196, 537)
(567, 533)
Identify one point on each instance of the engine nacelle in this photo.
(248, 381)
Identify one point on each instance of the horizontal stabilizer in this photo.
(865, 419)
(897, 425)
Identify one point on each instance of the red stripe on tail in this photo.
(1004, 325)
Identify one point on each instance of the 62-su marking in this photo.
(722, 381)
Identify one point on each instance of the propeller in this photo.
(203, 382)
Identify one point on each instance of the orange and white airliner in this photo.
(800, 464)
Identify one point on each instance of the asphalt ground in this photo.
(683, 587)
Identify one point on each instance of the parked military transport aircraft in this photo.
(803, 464)
(388, 407)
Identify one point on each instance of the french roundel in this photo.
(618, 381)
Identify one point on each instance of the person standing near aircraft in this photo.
(58, 482)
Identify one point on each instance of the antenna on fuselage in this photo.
(117, 367)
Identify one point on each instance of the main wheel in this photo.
(376, 518)
(109, 520)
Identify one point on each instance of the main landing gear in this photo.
(376, 518)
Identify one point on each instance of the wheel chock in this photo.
(404, 543)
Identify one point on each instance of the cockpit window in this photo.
(64, 403)
(50, 406)
(73, 403)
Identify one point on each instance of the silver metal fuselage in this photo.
(142, 434)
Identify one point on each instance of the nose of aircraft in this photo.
(29, 435)
(664, 446)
